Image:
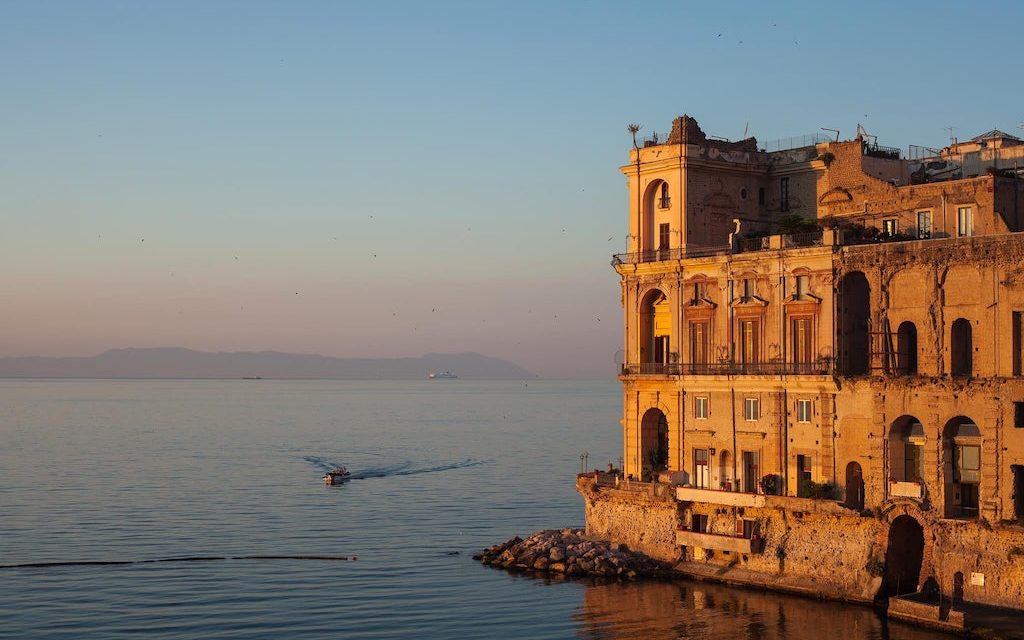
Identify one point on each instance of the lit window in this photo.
(751, 409)
(803, 410)
(890, 226)
(749, 334)
(924, 224)
(701, 474)
(964, 222)
(700, 407)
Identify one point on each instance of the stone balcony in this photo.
(899, 489)
(714, 541)
(714, 496)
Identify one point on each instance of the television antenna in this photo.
(952, 138)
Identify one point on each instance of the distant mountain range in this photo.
(184, 363)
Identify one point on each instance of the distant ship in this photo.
(444, 375)
(252, 377)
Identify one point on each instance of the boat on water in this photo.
(444, 375)
(337, 476)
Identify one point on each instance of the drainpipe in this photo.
(785, 442)
(735, 454)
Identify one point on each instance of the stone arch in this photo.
(649, 240)
(904, 556)
(854, 305)
(961, 348)
(854, 486)
(906, 450)
(906, 349)
(655, 331)
(653, 441)
(961, 467)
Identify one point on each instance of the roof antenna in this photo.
(835, 131)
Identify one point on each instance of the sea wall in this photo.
(812, 547)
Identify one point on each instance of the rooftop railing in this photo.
(819, 367)
(743, 245)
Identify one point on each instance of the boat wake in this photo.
(404, 468)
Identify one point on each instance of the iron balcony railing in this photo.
(820, 367)
(664, 202)
(809, 239)
(661, 255)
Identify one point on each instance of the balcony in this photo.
(714, 541)
(663, 255)
(820, 367)
(899, 489)
(713, 496)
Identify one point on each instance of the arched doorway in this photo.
(961, 348)
(725, 470)
(655, 332)
(854, 486)
(961, 467)
(653, 442)
(654, 230)
(854, 321)
(906, 349)
(903, 556)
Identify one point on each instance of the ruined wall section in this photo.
(644, 519)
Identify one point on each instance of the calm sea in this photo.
(120, 471)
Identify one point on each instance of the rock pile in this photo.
(568, 552)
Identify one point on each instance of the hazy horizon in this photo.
(395, 179)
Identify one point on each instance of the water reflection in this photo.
(682, 609)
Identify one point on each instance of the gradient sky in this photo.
(387, 179)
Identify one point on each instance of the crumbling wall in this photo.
(639, 519)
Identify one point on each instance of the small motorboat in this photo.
(337, 476)
(444, 375)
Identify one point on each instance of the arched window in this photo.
(655, 332)
(654, 442)
(854, 323)
(961, 348)
(664, 202)
(906, 349)
(961, 458)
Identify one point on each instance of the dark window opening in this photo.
(803, 476)
(664, 201)
(1018, 415)
(663, 236)
(961, 348)
(1018, 343)
(784, 194)
(699, 523)
(906, 349)
(760, 196)
(1018, 491)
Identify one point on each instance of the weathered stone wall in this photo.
(995, 551)
(638, 519)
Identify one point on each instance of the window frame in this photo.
(891, 227)
(701, 407)
(804, 410)
(924, 214)
(751, 409)
(964, 230)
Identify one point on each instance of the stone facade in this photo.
(823, 370)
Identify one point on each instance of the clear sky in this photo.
(385, 179)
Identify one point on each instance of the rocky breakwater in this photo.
(569, 553)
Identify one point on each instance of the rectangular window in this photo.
(912, 462)
(701, 404)
(1018, 415)
(803, 410)
(964, 222)
(801, 336)
(701, 474)
(749, 341)
(968, 461)
(804, 475)
(751, 409)
(1018, 343)
(803, 287)
(924, 224)
(890, 227)
(760, 196)
(663, 236)
(699, 523)
(784, 194)
(700, 342)
(751, 471)
(745, 528)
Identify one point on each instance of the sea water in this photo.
(198, 488)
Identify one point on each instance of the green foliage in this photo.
(819, 490)
(827, 158)
(772, 484)
(875, 566)
(792, 223)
